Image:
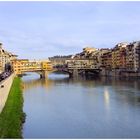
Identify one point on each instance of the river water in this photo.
(59, 107)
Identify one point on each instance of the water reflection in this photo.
(106, 98)
(59, 107)
(46, 83)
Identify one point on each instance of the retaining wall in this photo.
(5, 86)
(118, 73)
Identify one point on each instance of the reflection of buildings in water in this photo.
(136, 84)
(107, 98)
(120, 82)
(128, 89)
(58, 79)
(52, 81)
(46, 83)
(36, 83)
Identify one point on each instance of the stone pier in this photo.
(43, 74)
(75, 73)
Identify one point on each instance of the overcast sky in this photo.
(37, 30)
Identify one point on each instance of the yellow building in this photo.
(47, 65)
(119, 56)
(19, 65)
(24, 65)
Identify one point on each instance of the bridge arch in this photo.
(62, 71)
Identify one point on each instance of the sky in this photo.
(38, 30)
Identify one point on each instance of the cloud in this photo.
(42, 29)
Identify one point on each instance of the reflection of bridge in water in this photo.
(55, 79)
(44, 82)
(48, 83)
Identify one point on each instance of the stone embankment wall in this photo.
(118, 73)
(5, 86)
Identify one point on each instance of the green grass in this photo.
(12, 116)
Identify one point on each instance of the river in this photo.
(60, 107)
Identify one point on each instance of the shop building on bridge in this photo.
(21, 66)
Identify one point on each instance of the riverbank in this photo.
(12, 116)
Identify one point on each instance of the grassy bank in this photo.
(12, 116)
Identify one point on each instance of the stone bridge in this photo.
(42, 67)
(45, 67)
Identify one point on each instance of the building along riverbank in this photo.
(12, 116)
